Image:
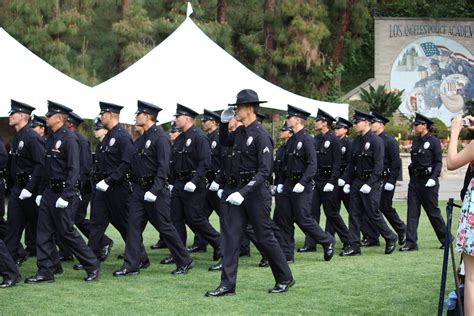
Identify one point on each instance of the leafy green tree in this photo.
(382, 100)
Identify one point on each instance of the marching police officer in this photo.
(26, 169)
(38, 124)
(391, 169)
(246, 196)
(150, 199)
(423, 188)
(58, 197)
(191, 160)
(328, 156)
(363, 180)
(341, 129)
(3, 187)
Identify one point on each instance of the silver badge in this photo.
(58, 144)
(426, 145)
(343, 149)
(249, 140)
(213, 144)
(112, 142)
(367, 146)
(188, 142)
(299, 145)
(148, 143)
(20, 145)
(459, 68)
(327, 144)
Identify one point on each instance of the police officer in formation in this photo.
(38, 124)
(341, 129)
(423, 188)
(363, 179)
(3, 187)
(58, 198)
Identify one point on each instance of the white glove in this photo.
(170, 187)
(347, 189)
(38, 200)
(279, 188)
(341, 182)
(430, 183)
(60, 203)
(24, 194)
(214, 186)
(329, 187)
(219, 193)
(365, 189)
(298, 188)
(388, 187)
(149, 197)
(102, 186)
(235, 198)
(189, 187)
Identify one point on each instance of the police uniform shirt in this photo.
(86, 157)
(216, 154)
(346, 147)
(279, 165)
(151, 157)
(391, 159)
(117, 149)
(99, 157)
(27, 150)
(328, 155)
(426, 152)
(3, 157)
(191, 153)
(300, 157)
(62, 161)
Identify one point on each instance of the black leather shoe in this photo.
(402, 239)
(66, 258)
(264, 263)
(220, 291)
(183, 269)
(290, 261)
(22, 259)
(390, 246)
(37, 278)
(78, 267)
(144, 265)
(329, 250)
(194, 248)
(159, 245)
(92, 276)
(58, 270)
(120, 257)
(282, 287)
(9, 282)
(350, 252)
(167, 260)
(106, 250)
(216, 267)
(369, 243)
(441, 247)
(408, 248)
(307, 249)
(125, 271)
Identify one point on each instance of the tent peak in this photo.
(189, 10)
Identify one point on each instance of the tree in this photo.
(381, 100)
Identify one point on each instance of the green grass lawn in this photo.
(374, 284)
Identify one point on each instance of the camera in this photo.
(466, 122)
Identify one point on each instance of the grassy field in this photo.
(372, 284)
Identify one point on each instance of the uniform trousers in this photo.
(210, 204)
(8, 268)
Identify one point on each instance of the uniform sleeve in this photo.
(86, 158)
(336, 160)
(395, 162)
(38, 157)
(203, 156)
(72, 167)
(3, 156)
(126, 150)
(225, 138)
(310, 158)
(163, 153)
(379, 151)
(278, 165)
(437, 159)
(349, 172)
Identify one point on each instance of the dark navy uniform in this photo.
(3, 187)
(191, 160)
(426, 163)
(27, 159)
(60, 184)
(365, 168)
(346, 147)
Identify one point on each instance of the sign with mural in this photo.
(437, 74)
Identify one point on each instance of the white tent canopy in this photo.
(189, 68)
(27, 78)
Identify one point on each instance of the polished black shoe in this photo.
(120, 257)
(282, 287)
(167, 260)
(216, 267)
(220, 291)
(329, 250)
(159, 245)
(144, 265)
(125, 271)
(390, 246)
(106, 250)
(66, 258)
(408, 248)
(349, 252)
(402, 239)
(92, 276)
(183, 269)
(9, 282)
(369, 243)
(264, 263)
(58, 270)
(22, 259)
(194, 248)
(290, 261)
(441, 247)
(37, 278)
(78, 267)
(307, 249)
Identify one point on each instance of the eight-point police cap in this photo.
(182, 110)
(75, 119)
(109, 107)
(20, 107)
(421, 119)
(57, 108)
(286, 128)
(37, 121)
(294, 111)
(98, 124)
(325, 116)
(145, 107)
(342, 123)
(210, 116)
(379, 118)
(361, 116)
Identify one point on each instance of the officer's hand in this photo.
(347, 189)
(149, 197)
(170, 186)
(279, 188)
(235, 198)
(25, 194)
(430, 183)
(60, 203)
(219, 193)
(365, 189)
(189, 187)
(329, 187)
(388, 187)
(341, 182)
(102, 186)
(214, 186)
(38, 200)
(298, 188)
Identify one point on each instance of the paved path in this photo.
(448, 188)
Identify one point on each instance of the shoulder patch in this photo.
(266, 150)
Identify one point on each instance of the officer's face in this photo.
(181, 120)
(376, 127)
(319, 124)
(39, 130)
(291, 121)
(105, 118)
(285, 135)
(361, 126)
(206, 125)
(419, 128)
(100, 133)
(15, 118)
(340, 132)
(140, 119)
(242, 112)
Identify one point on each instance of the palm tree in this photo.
(381, 100)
